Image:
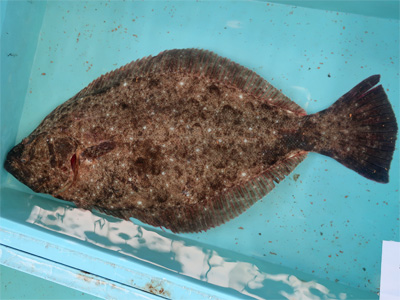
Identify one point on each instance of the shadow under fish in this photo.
(188, 140)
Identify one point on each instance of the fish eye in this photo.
(24, 159)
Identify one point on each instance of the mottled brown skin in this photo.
(171, 139)
(163, 147)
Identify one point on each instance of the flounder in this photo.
(188, 140)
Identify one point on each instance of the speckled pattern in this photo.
(164, 143)
(323, 219)
(188, 140)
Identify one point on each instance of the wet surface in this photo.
(212, 265)
(327, 223)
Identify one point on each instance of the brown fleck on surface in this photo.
(296, 176)
(157, 288)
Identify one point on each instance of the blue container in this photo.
(318, 234)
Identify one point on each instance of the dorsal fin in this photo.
(196, 61)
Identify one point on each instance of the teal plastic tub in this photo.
(318, 234)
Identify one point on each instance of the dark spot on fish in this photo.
(124, 105)
(161, 197)
(155, 169)
(98, 150)
(116, 192)
(203, 115)
(249, 106)
(64, 146)
(196, 129)
(228, 110)
(41, 181)
(140, 166)
(193, 102)
(154, 83)
(140, 161)
(178, 171)
(230, 115)
(213, 89)
(216, 185)
(220, 165)
(51, 154)
(270, 156)
(134, 187)
(152, 151)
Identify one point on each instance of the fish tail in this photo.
(359, 130)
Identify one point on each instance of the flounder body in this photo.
(188, 140)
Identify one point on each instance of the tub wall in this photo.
(17, 53)
(33, 222)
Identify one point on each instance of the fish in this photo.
(188, 140)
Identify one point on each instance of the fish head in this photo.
(44, 162)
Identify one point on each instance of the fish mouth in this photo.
(14, 163)
(19, 164)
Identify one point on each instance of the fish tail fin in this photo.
(359, 130)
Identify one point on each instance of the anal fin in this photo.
(219, 209)
(239, 198)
